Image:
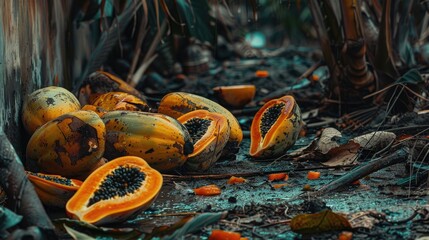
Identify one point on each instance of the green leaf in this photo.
(323, 221)
(186, 18)
(411, 77)
(8, 219)
(76, 234)
(195, 224)
(168, 230)
(78, 230)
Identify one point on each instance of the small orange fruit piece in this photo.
(224, 235)
(312, 175)
(235, 96)
(208, 190)
(262, 74)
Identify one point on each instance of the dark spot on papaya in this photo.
(59, 149)
(179, 147)
(182, 108)
(50, 101)
(149, 151)
(86, 136)
(110, 151)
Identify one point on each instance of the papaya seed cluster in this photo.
(59, 180)
(197, 127)
(269, 117)
(120, 182)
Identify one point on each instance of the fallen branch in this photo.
(355, 174)
(22, 197)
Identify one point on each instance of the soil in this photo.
(255, 208)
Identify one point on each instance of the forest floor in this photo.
(378, 207)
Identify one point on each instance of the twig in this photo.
(396, 157)
(248, 174)
(287, 221)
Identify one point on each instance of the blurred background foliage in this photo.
(366, 44)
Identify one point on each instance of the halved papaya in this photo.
(53, 190)
(275, 127)
(115, 191)
(210, 133)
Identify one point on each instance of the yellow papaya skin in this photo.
(67, 145)
(45, 104)
(283, 133)
(177, 104)
(159, 139)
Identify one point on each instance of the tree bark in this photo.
(22, 197)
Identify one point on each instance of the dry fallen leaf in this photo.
(375, 140)
(323, 221)
(365, 219)
(343, 155)
(327, 140)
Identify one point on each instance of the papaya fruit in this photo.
(53, 190)
(67, 145)
(178, 103)
(45, 104)
(115, 191)
(235, 96)
(120, 101)
(159, 139)
(210, 133)
(275, 127)
(101, 82)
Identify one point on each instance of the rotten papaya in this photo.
(67, 145)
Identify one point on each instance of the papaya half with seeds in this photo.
(45, 104)
(67, 145)
(178, 103)
(159, 139)
(115, 191)
(210, 133)
(101, 82)
(53, 190)
(120, 101)
(275, 127)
